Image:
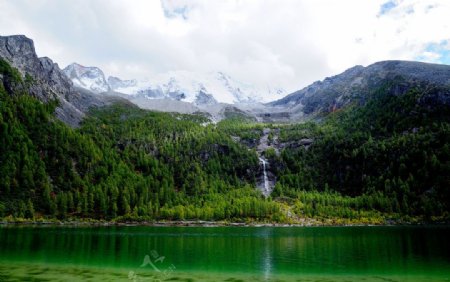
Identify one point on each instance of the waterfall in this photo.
(266, 179)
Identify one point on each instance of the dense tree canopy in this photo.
(390, 156)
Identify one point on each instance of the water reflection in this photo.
(267, 257)
(266, 252)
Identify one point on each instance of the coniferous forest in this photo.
(207, 141)
(388, 159)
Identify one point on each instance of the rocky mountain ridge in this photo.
(358, 84)
(77, 88)
(48, 80)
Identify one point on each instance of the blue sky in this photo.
(386, 7)
(289, 43)
(436, 53)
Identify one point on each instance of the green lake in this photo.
(142, 253)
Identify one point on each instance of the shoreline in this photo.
(201, 223)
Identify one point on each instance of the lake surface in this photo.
(142, 253)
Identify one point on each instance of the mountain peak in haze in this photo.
(90, 78)
(182, 86)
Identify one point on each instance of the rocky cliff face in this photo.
(359, 84)
(49, 82)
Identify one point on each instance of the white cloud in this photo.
(289, 43)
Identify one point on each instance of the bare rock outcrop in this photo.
(48, 81)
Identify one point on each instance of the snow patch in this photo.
(191, 87)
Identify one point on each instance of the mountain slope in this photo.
(46, 81)
(122, 161)
(394, 148)
(390, 153)
(357, 84)
(382, 154)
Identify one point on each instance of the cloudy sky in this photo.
(287, 43)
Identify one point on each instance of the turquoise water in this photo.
(225, 253)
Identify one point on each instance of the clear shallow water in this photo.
(225, 253)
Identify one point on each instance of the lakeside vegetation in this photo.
(386, 160)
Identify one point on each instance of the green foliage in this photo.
(394, 147)
(9, 73)
(122, 161)
(389, 157)
(247, 131)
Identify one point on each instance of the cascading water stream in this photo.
(266, 179)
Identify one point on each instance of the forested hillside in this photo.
(121, 161)
(390, 155)
(394, 151)
(389, 158)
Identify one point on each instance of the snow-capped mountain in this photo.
(116, 83)
(198, 89)
(90, 78)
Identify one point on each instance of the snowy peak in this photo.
(187, 86)
(116, 83)
(200, 89)
(91, 78)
